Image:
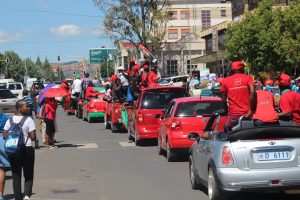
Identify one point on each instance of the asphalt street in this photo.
(93, 163)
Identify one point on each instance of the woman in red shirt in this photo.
(50, 115)
(90, 92)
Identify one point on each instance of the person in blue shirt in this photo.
(4, 162)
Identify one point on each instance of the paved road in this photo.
(93, 163)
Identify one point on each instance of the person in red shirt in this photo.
(144, 81)
(50, 115)
(152, 78)
(289, 102)
(113, 78)
(265, 113)
(238, 95)
(90, 92)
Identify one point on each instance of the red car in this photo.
(112, 117)
(143, 123)
(181, 117)
(94, 109)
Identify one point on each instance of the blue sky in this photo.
(48, 28)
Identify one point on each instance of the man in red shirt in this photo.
(265, 113)
(289, 101)
(238, 94)
(152, 78)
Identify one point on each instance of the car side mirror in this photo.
(158, 116)
(194, 136)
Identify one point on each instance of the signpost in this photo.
(99, 55)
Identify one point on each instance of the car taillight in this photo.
(140, 117)
(226, 156)
(176, 125)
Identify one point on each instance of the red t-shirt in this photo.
(113, 77)
(238, 94)
(90, 92)
(265, 108)
(50, 109)
(152, 78)
(290, 102)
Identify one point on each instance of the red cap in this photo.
(136, 67)
(132, 61)
(146, 67)
(237, 65)
(270, 82)
(284, 80)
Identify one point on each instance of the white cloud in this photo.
(67, 30)
(42, 5)
(6, 37)
(26, 30)
(97, 32)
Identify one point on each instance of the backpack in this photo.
(14, 142)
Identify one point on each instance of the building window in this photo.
(172, 68)
(173, 15)
(172, 34)
(185, 14)
(184, 32)
(205, 18)
(190, 67)
(223, 13)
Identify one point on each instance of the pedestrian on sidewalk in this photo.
(26, 160)
(4, 162)
(50, 115)
(29, 101)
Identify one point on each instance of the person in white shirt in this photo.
(26, 161)
(124, 80)
(76, 90)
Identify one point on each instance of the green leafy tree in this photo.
(47, 71)
(103, 69)
(32, 69)
(39, 66)
(264, 38)
(14, 68)
(138, 21)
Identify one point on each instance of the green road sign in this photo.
(100, 55)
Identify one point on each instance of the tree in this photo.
(14, 68)
(137, 21)
(264, 38)
(39, 66)
(47, 71)
(103, 69)
(32, 69)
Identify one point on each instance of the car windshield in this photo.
(6, 94)
(194, 109)
(164, 81)
(160, 99)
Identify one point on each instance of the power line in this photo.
(48, 12)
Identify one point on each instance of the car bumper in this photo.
(180, 143)
(147, 132)
(233, 179)
(96, 114)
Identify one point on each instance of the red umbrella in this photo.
(55, 92)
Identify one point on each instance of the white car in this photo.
(17, 89)
(172, 81)
(7, 101)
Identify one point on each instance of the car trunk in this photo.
(192, 124)
(267, 148)
(148, 116)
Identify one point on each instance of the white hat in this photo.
(120, 68)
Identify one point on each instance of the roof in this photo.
(196, 99)
(162, 87)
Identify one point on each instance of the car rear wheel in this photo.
(160, 150)
(214, 191)
(193, 174)
(170, 153)
(106, 124)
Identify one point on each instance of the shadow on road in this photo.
(68, 145)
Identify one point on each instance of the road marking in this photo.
(87, 146)
(127, 144)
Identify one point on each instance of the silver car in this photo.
(248, 158)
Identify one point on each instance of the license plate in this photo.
(282, 155)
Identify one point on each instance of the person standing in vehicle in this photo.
(152, 77)
(289, 102)
(238, 90)
(75, 92)
(90, 92)
(144, 77)
(124, 80)
(26, 161)
(85, 83)
(265, 113)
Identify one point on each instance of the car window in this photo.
(194, 109)
(160, 99)
(164, 80)
(11, 86)
(18, 86)
(6, 94)
(3, 86)
(169, 110)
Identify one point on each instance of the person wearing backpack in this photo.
(23, 156)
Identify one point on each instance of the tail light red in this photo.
(140, 117)
(227, 156)
(176, 124)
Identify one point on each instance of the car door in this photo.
(166, 123)
(204, 148)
